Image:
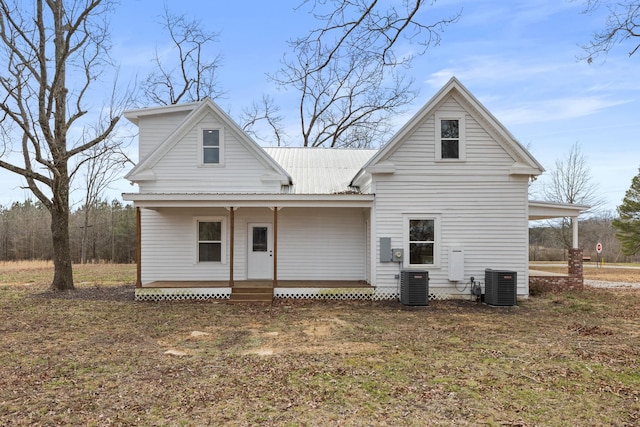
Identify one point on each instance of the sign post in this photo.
(598, 251)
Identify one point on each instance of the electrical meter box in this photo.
(397, 255)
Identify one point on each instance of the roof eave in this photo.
(157, 200)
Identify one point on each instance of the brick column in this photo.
(575, 267)
(574, 280)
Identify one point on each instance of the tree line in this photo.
(110, 235)
(348, 72)
(548, 242)
(25, 232)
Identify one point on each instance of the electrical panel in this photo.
(456, 264)
(385, 249)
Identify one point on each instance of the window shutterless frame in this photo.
(422, 240)
(210, 146)
(210, 240)
(450, 144)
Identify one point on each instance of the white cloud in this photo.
(556, 109)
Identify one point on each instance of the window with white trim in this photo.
(421, 237)
(211, 147)
(450, 142)
(210, 235)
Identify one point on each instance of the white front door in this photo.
(260, 252)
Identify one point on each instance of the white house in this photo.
(218, 215)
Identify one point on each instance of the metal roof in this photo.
(320, 170)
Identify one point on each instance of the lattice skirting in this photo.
(370, 294)
(365, 294)
(179, 294)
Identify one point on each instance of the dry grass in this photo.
(41, 273)
(95, 357)
(591, 272)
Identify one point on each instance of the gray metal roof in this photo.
(320, 170)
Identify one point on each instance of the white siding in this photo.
(321, 244)
(153, 130)
(313, 244)
(169, 244)
(179, 169)
(481, 207)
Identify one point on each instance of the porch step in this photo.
(247, 293)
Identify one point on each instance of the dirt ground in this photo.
(95, 357)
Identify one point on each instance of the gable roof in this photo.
(320, 170)
(524, 162)
(142, 171)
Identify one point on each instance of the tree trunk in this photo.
(63, 274)
(63, 270)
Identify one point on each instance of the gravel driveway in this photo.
(603, 284)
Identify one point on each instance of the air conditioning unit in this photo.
(500, 287)
(414, 287)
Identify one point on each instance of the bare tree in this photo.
(103, 164)
(571, 182)
(44, 111)
(348, 73)
(622, 25)
(193, 77)
(346, 103)
(264, 112)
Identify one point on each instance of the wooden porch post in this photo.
(138, 249)
(231, 244)
(275, 246)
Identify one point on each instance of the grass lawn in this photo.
(612, 272)
(96, 357)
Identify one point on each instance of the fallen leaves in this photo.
(565, 359)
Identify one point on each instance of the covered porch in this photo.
(539, 210)
(270, 246)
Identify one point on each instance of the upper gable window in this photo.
(450, 141)
(211, 147)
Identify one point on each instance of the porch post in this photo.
(138, 249)
(575, 232)
(275, 246)
(231, 244)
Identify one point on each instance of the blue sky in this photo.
(518, 57)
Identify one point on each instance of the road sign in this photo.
(599, 247)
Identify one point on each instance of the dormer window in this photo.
(211, 146)
(450, 144)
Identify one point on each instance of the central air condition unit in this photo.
(500, 287)
(414, 287)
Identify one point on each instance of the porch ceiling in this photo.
(546, 210)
